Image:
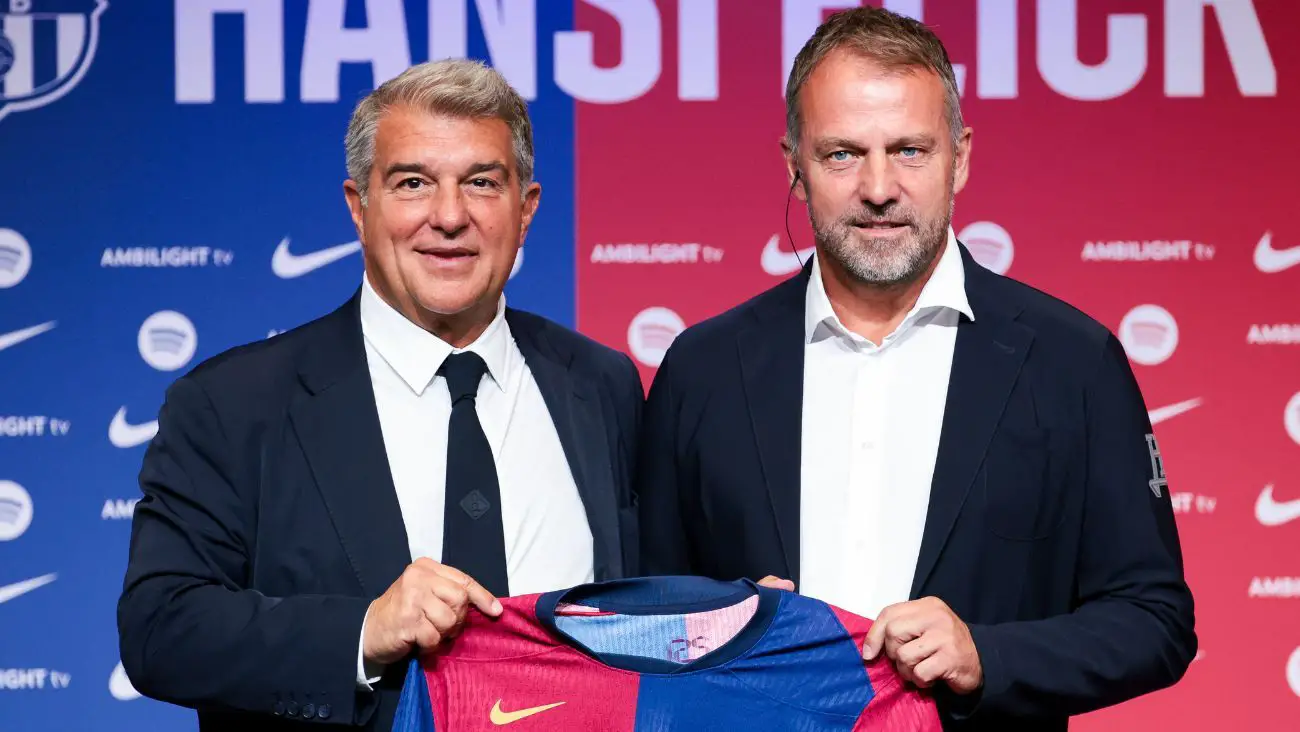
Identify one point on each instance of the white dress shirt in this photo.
(871, 420)
(548, 541)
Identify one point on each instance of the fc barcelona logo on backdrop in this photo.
(46, 46)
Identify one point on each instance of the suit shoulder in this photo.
(706, 337)
(251, 368)
(592, 355)
(1067, 341)
(1051, 316)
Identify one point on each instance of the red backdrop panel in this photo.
(1168, 216)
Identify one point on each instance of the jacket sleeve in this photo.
(190, 631)
(1132, 629)
(664, 542)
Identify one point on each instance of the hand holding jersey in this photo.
(928, 643)
(427, 604)
(924, 638)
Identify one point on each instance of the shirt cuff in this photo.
(367, 673)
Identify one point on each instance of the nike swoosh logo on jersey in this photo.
(1269, 260)
(18, 336)
(1173, 410)
(124, 434)
(18, 589)
(1270, 512)
(287, 265)
(499, 717)
(777, 262)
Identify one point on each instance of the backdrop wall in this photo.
(172, 187)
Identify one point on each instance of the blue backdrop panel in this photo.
(130, 204)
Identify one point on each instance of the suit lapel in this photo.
(575, 410)
(771, 363)
(986, 363)
(337, 424)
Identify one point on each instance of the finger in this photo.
(477, 594)
(876, 633)
(444, 618)
(935, 603)
(485, 601)
(902, 630)
(905, 672)
(449, 592)
(914, 652)
(421, 572)
(776, 583)
(929, 671)
(896, 638)
(427, 634)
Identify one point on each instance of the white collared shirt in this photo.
(872, 415)
(548, 540)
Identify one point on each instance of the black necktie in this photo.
(472, 538)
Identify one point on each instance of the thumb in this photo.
(874, 641)
(869, 650)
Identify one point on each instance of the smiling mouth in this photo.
(447, 255)
(879, 224)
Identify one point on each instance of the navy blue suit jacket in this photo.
(269, 519)
(1043, 532)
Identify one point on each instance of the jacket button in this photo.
(323, 711)
(279, 709)
(291, 709)
(308, 710)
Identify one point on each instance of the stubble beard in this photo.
(883, 263)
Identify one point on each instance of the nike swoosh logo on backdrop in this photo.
(18, 589)
(18, 336)
(287, 265)
(120, 686)
(1173, 410)
(124, 434)
(519, 262)
(777, 262)
(1275, 513)
(1269, 260)
(499, 717)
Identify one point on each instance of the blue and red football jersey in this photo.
(661, 653)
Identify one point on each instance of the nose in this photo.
(878, 182)
(448, 213)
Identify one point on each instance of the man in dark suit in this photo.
(293, 482)
(903, 433)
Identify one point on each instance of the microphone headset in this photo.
(793, 182)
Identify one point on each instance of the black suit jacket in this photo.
(1043, 531)
(269, 519)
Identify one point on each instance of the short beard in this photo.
(882, 264)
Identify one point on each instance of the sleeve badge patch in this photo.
(1158, 481)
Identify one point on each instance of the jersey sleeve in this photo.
(894, 706)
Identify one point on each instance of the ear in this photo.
(792, 172)
(355, 207)
(961, 160)
(532, 199)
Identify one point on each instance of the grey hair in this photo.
(456, 87)
(896, 42)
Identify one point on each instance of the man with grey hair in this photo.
(321, 506)
(913, 438)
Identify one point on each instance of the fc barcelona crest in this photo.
(46, 47)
